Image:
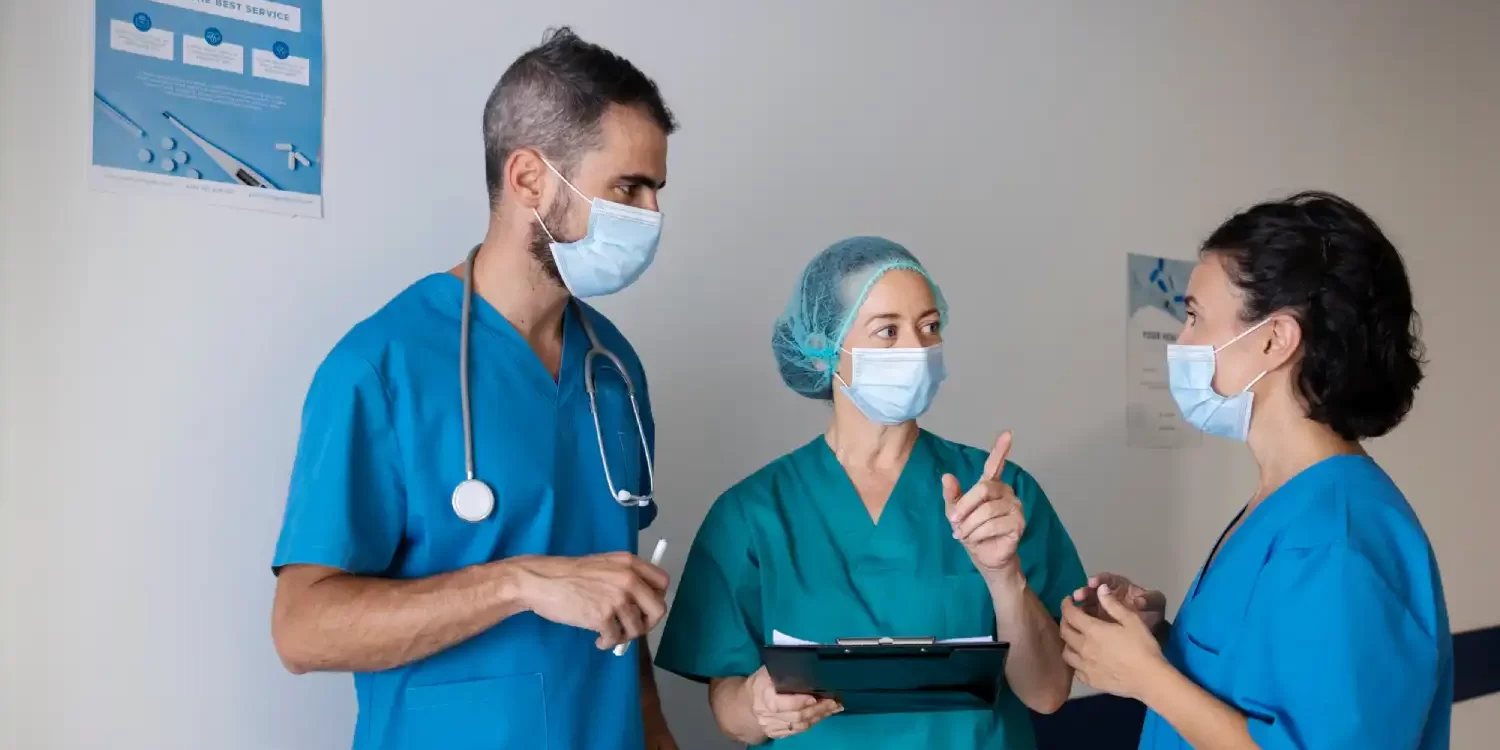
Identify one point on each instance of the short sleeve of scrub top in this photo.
(345, 506)
(1365, 679)
(1048, 558)
(720, 635)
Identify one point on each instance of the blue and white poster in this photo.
(216, 101)
(1156, 313)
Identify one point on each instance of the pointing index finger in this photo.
(995, 465)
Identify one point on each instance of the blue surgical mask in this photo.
(619, 246)
(1190, 375)
(891, 386)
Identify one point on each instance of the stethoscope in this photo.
(473, 500)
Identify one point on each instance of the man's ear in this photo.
(525, 178)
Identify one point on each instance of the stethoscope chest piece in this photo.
(473, 500)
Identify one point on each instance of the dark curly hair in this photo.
(1325, 262)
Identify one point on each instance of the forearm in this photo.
(1034, 667)
(1203, 720)
(651, 714)
(733, 710)
(359, 624)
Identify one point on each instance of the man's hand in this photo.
(617, 595)
(988, 519)
(1150, 604)
(785, 715)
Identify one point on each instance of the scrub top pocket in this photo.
(502, 713)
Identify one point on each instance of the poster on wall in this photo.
(213, 101)
(1156, 313)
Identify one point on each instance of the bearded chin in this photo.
(541, 245)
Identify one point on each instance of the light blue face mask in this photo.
(619, 246)
(1190, 375)
(891, 386)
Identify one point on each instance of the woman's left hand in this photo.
(1118, 657)
(988, 519)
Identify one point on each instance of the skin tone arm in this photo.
(324, 619)
(989, 519)
(1034, 669)
(658, 736)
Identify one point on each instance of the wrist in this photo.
(1158, 681)
(514, 586)
(1007, 582)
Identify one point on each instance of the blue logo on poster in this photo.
(281, 50)
(213, 36)
(142, 22)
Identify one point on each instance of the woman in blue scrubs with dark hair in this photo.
(1318, 620)
(875, 527)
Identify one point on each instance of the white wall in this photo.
(153, 356)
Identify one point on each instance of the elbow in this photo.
(1048, 698)
(1051, 699)
(293, 639)
(290, 648)
(1049, 703)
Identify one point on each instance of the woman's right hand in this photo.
(783, 715)
(1151, 604)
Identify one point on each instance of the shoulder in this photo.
(374, 346)
(1352, 511)
(766, 486)
(1349, 501)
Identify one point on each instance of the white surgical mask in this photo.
(1190, 376)
(891, 386)
(619, 246)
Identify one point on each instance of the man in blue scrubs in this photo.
(467, 623)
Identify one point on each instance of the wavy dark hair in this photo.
(1325, 262)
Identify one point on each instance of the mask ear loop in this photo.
(538, 215)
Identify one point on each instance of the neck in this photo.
(860, 443)
(1285, 443)
(514, 283)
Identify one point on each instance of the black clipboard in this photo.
(892, 675)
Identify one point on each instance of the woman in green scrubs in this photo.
(875, 527)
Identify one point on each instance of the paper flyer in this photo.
(1155, 315)
(214, 101)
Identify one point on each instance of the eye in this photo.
(889, 332)
(626, 190)
(932, 328)
(1192, 317)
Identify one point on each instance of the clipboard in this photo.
(892, 675)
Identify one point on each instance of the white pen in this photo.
(656, 556)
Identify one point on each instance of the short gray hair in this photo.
(552, 99)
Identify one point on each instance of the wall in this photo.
(153, 356)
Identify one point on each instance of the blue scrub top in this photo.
(792, 548)
(1322, 619)
(381, 449)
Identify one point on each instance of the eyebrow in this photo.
(1190, 301)
(640, 179)
(897, 316)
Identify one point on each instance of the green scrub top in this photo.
(792, 548)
